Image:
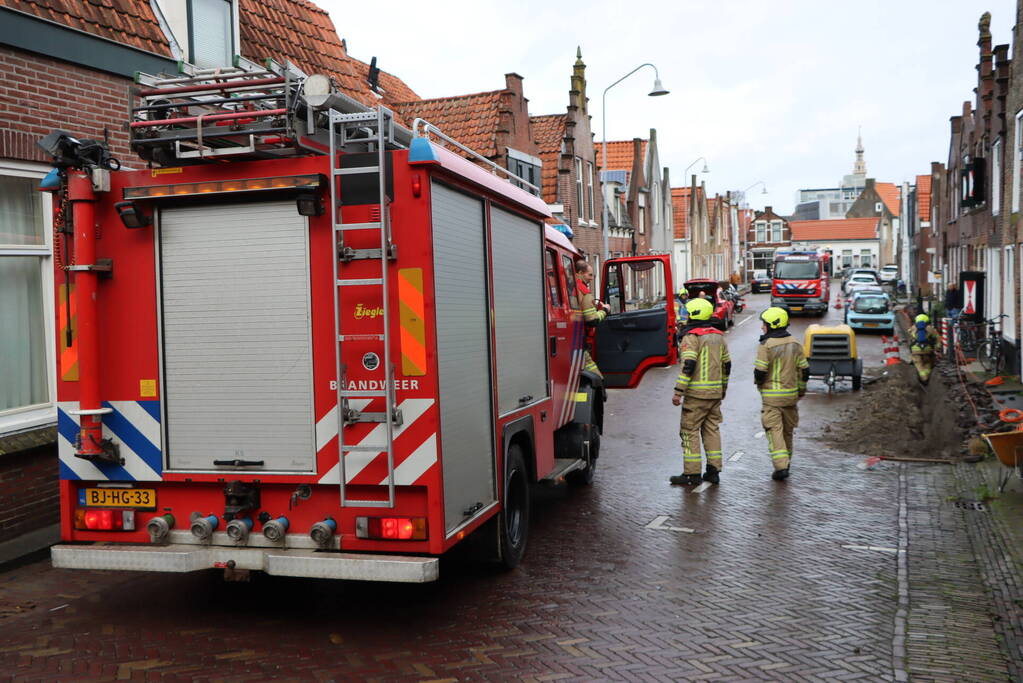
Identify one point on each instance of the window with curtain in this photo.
(211, 33)
(23, 253)
(580, 209)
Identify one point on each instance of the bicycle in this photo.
(991, 351)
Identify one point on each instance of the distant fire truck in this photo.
(308, 341)
(801, 280)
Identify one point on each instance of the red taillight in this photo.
(105, 520)
(391, 528)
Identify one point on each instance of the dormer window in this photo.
(205, 30)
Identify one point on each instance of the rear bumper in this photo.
(182, 558)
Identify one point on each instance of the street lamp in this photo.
(759, 182)
(656, 91)
(685, 173)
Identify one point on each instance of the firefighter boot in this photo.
(711, 474)
(685, 480)
(779, 475)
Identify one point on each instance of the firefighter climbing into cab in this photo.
(593, 311)
(925, 338)
(780, 371)
(702, 384)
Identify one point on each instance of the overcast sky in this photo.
(765, 90)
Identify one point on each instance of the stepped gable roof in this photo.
(128, 22)
(841, 229)
(548, 134)
(473, 119)
(890, 194)
(923, 197)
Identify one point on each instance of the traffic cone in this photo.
(891, 350)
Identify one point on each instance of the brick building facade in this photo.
(767, 232)
(571, 184)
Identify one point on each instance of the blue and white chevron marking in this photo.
(133, 425)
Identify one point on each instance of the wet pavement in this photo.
(839, 573)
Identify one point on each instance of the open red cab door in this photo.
(639, 331)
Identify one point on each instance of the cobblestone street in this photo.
(839, 573)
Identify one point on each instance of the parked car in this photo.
(890, 274)
(860, 279)
(761, 282)
(724, 309)
(870, 309)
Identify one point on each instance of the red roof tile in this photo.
(890, 195)
(680, 211)
(129, 22)
(619, 154)
(548, 134)
(842, 229)
(299, 31)
(923, 197)
(473, 120)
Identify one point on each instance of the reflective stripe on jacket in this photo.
(783, 361)
(708, 354)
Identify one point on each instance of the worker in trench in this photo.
(925, 339)
(700, 388)
(593, 311)
(780, 372)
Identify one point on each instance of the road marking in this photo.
(872, 547)
(658, 522)
(758, 435)
(702, 487)
(744, 320)
(735, 457)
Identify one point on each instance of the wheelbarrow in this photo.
(1008, 446)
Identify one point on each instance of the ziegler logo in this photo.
(364, 312)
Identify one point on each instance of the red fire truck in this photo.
(294, 278)
(801, 281)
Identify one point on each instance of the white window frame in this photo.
(1009, 329)
(591, 206)
(996, 177)
(37, 415)
(760, 228)
(580, 208)
(1017, 157)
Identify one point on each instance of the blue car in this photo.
(870, 310)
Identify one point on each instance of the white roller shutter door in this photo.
(237, 348)
(519, 317)
(463, 352)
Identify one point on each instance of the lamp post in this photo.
(656, 91)
(759, 182)
(685, 173)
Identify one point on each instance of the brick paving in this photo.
(627, 580)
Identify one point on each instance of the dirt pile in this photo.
(897, 416)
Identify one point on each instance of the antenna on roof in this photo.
(374, 75)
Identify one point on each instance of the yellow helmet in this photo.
(700, 309)
(922, 318)
(775, 317)
(682, 293)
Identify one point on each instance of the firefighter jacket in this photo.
(591, 314)
(925, 338)
(780, 369)
(706, 364)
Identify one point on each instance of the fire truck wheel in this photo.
(514, 518)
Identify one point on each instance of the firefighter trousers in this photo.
(924, 362)
(779, 422)
(701, 420)
(589, 365)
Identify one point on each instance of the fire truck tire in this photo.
(513, 521)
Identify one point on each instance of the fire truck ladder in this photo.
(374, 130)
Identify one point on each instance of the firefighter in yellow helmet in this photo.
(780, 372)
(593, 311)
(925, 339)
(703, 382)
